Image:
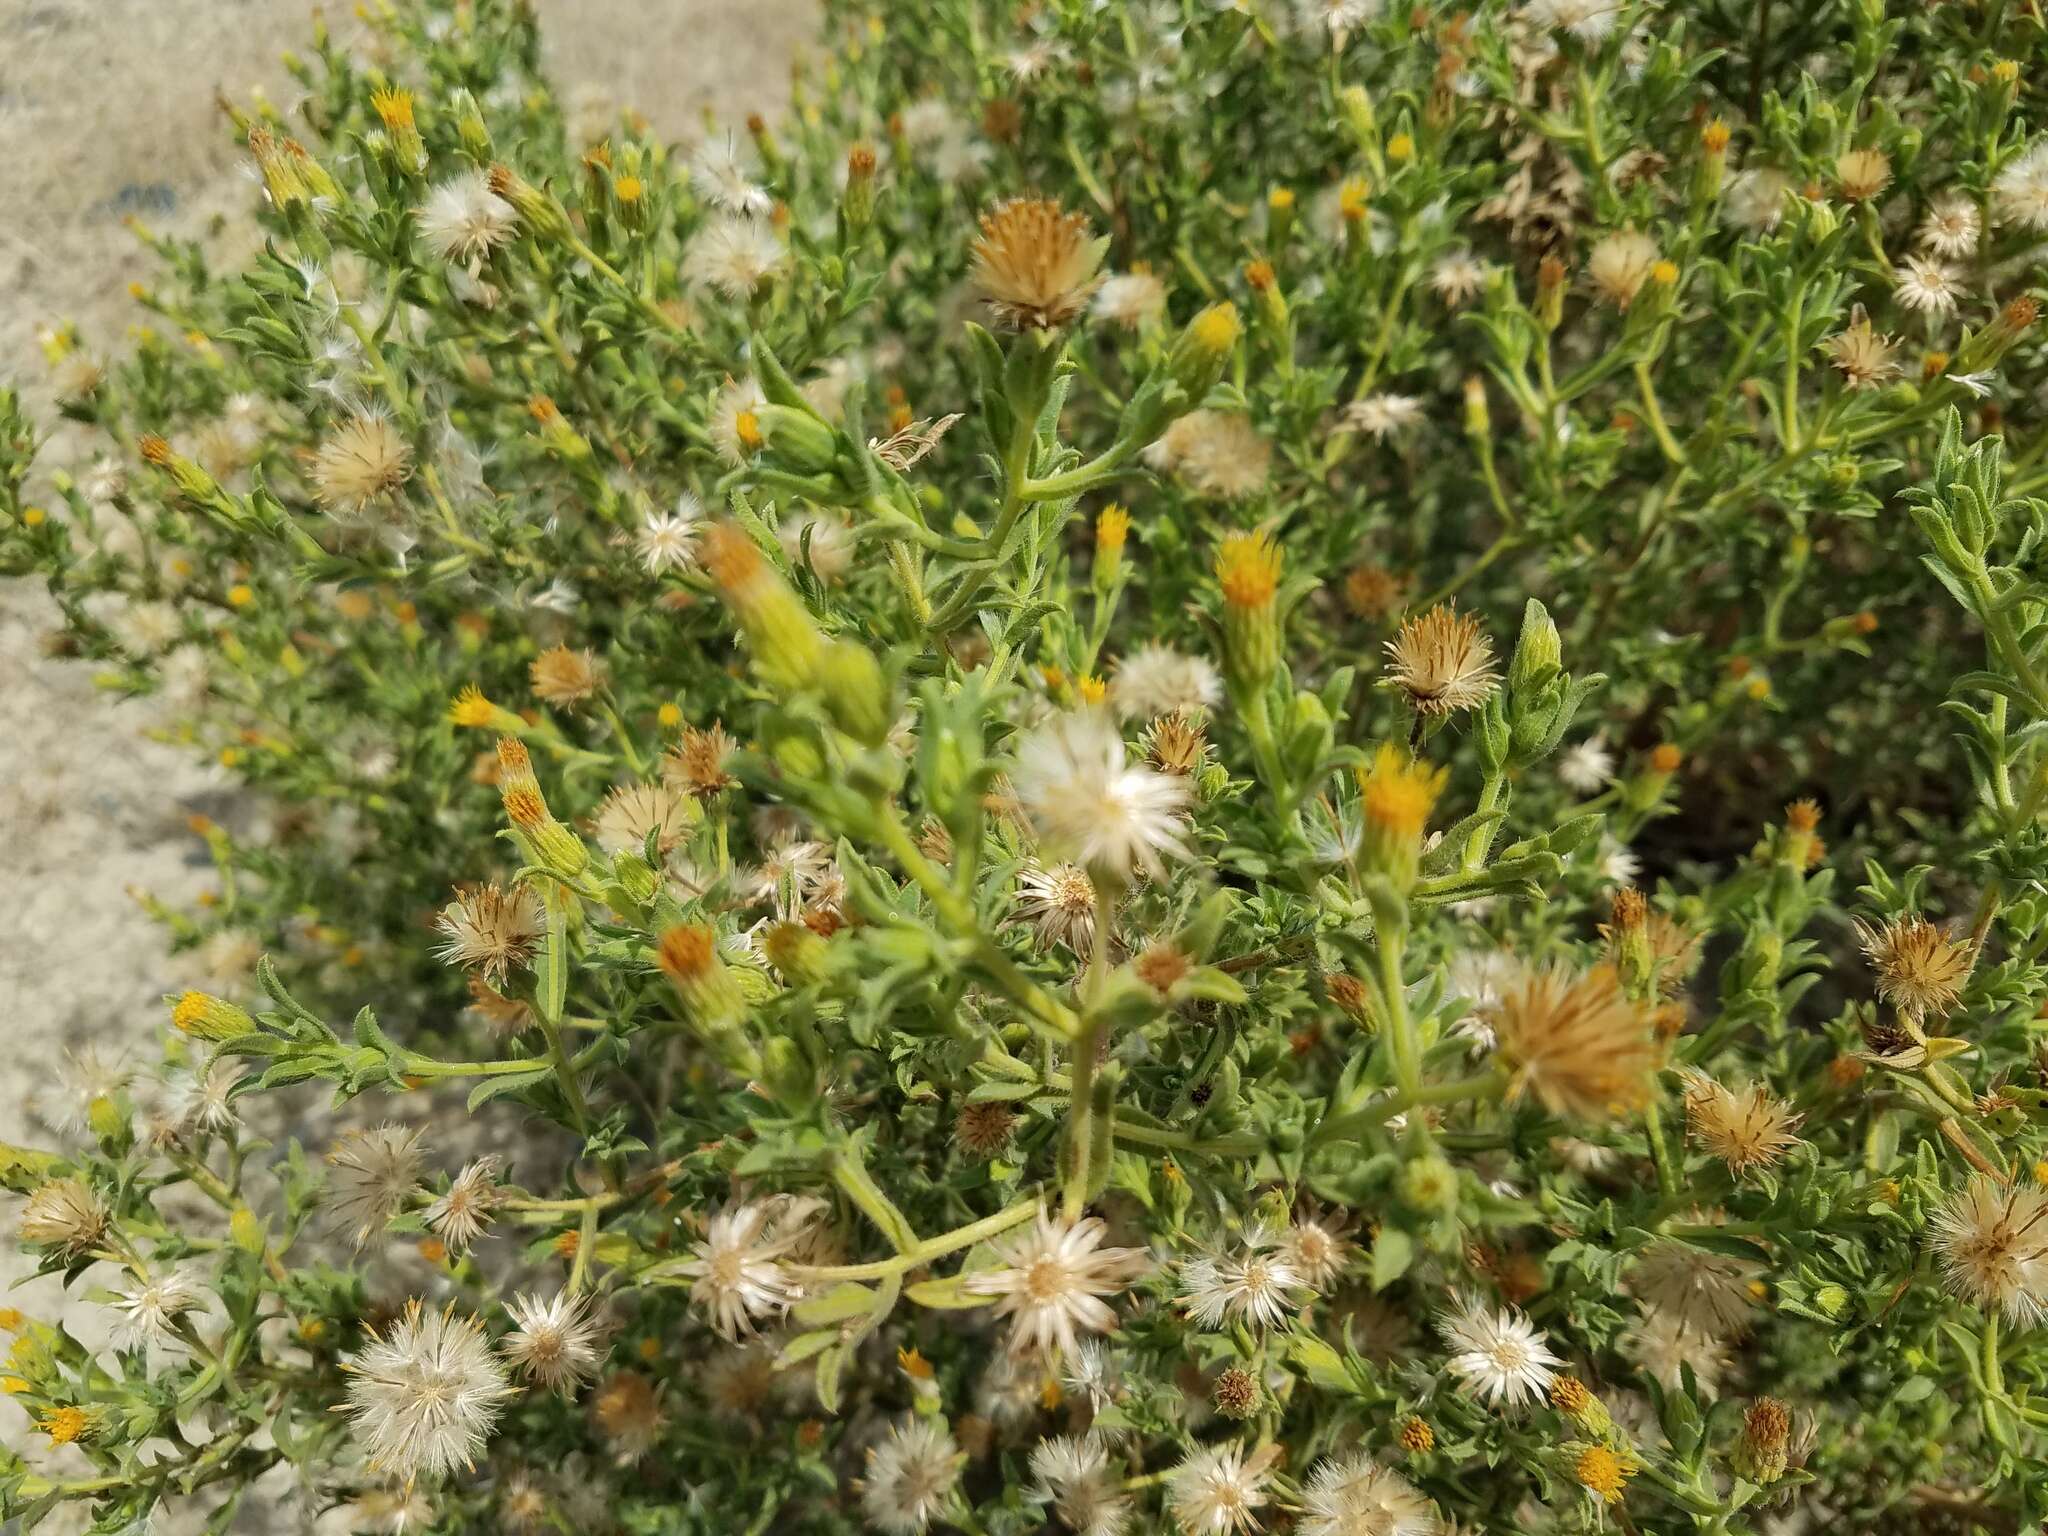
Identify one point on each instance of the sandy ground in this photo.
(107, 108)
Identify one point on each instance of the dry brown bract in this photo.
(1035, 265)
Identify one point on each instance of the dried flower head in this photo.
(554, 1343)
(1035, 265)
(1176, 744)
(564, 676)
(491, 931)
(1216, 1490)
(1256, 1285)
(1620, 264)
(1443, 661)
(463, 220)
(1863, 173)
(1747, 1129)
(423, 1396)
(1052, 1282)
(2020, 191)
(360, 463)
(1132, 300)
(1089, 803)
(370, 1174)
(1862, 356)
(1712, 1295)
(1156, 679)
(1355, 1496)
(1576, 1042)
(632, 813)
(1920, 969)
(697, 762)
(627, 1412)
(64, 1214)
(910, 1476)
(461, 1216)
(742, 1267)
(1058, 901)
(983, 1130)
(1076, 1478)
(1499, 1355)
(1993, 1244)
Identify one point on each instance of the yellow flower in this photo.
(471, 709)
(1248, 569)
(1400, 792)
(1601, 1471)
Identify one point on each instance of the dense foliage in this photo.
(1189, 765)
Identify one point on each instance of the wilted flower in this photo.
(1500, 1355)
(1576, 1042)
(742, 1264)
(1442, 661)
(554, 1343)
(1052, 1282)
(1035, 265)
(464, 220)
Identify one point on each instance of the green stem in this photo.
(932, 1247)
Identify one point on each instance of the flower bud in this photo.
(857, 203)
(470, 127)
(798, 437)
(537, 210)
(1356, 105)
(711, 997)
(1539, 652)
(1279, 216)
(1478, 419)
(1550, 285)
(554, 846)
(1397, 793)
(210, 1018)
(394, 109)
(786, 643)
(1760, 1454)
(1428, 1185)
(1112, 528)
(1248, 567)
(1203, 349)
(855, 692)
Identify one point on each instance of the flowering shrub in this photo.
(1127, 740)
